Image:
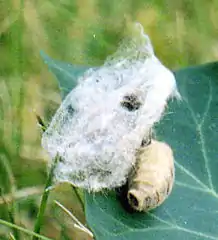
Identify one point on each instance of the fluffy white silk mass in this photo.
(101, 123)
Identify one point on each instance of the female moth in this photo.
(152, 178)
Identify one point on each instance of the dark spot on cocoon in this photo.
(131, 102)
(70, 109)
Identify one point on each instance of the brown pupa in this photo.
(152, 178)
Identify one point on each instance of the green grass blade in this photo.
(11, 237)
(77, 224)
(44, 199)
(11, 208)
(8, 224)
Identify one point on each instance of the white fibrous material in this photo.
(103, 120)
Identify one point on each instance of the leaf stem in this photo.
(44, 199)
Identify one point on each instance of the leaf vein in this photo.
(186, 171)
(200, 234)
(181, 184)
(199, 130)
(210, 98)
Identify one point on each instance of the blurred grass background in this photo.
(183, 32)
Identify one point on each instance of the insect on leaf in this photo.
(190, 128)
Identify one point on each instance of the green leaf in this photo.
(190, 127)
(191, 211)
(66, 74)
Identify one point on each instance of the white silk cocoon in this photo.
(94, 133)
